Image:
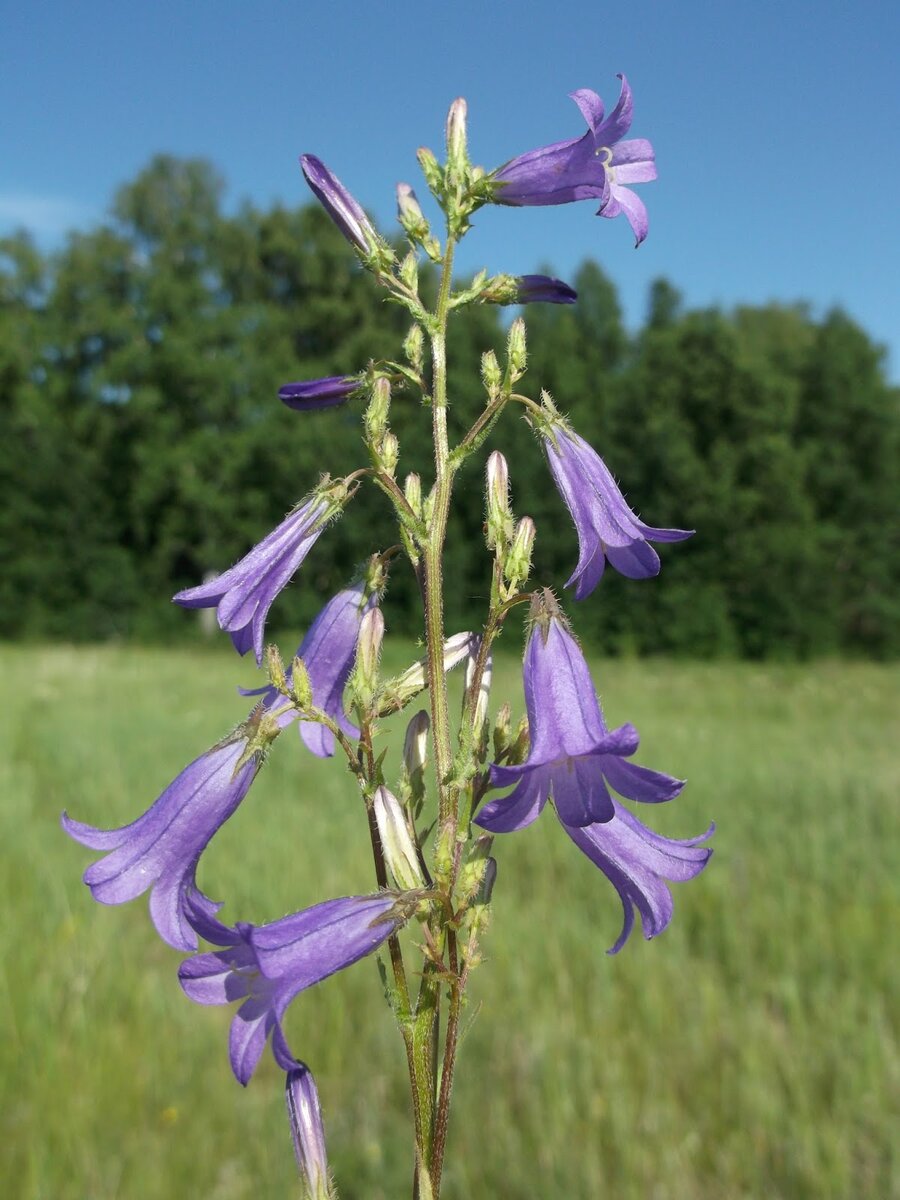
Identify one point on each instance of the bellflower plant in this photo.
(461, 772)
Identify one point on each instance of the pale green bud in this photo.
(516, 352)
(431, 170)
(389, 452)
(473, 869)
(375, 575)
(432, 248)
(399, 849)
(518, 750)
(412, 490)
(410, 214)
(413, 345)
(517, 567)
(501, 730)
(498, 527)
(484, 688)
(368, 654)
(415, 744)
(376, 417)
(491, 373)
(301, 688)
(275, 669)
(457, 155)
(409, 271)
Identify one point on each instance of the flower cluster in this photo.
(436, 869)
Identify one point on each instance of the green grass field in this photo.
(751, 1052)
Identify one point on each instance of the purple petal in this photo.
(245, 592)
(343, 209)
(328, 652)
(640, 783)
(634, 209)
(590, 105)
(317, 393)
(639, 863)
(619, 120)
(580, 794)
(522, 806)
(308, 946)
(160, 849)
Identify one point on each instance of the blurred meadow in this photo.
(752, 1051)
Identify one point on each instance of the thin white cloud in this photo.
(47, 217)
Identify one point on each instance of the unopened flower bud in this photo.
(390, 452)
(301, 688)
(400, 853)
(409, 271)
(431, 170)
(484, 688)
(472, 872)
(398, 692)
(413, 345)
(412, 490)
(518, 750)
(376, 575)
(457, 158)
(308, 1133)
(501, 730)
(368, 653)
(498, 530)
(376, 417)
(516, 352)
(409, 213)
(517, 567)
(275, 668)
(415, 744)
(491, 373)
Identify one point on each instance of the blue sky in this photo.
(776, 124)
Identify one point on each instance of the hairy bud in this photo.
(409, 213)
(516, 352)
(491, 374)
(457, 154)
(517, 567)
(498, 527)
(376, 417)
(400, 853)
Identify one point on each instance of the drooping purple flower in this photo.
(328, 651)
(161, 849)
(544, 290)
(266, 966)
(573, 756)
(309, 394)
(245, 592)
(343, 209)
(307, 1130)
(607, 528)
(598, 165)
(640, 864)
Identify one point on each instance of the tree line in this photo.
(143, 445)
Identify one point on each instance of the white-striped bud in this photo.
(484, 687)
(400, 853)
(498, 527)
(517, 567)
